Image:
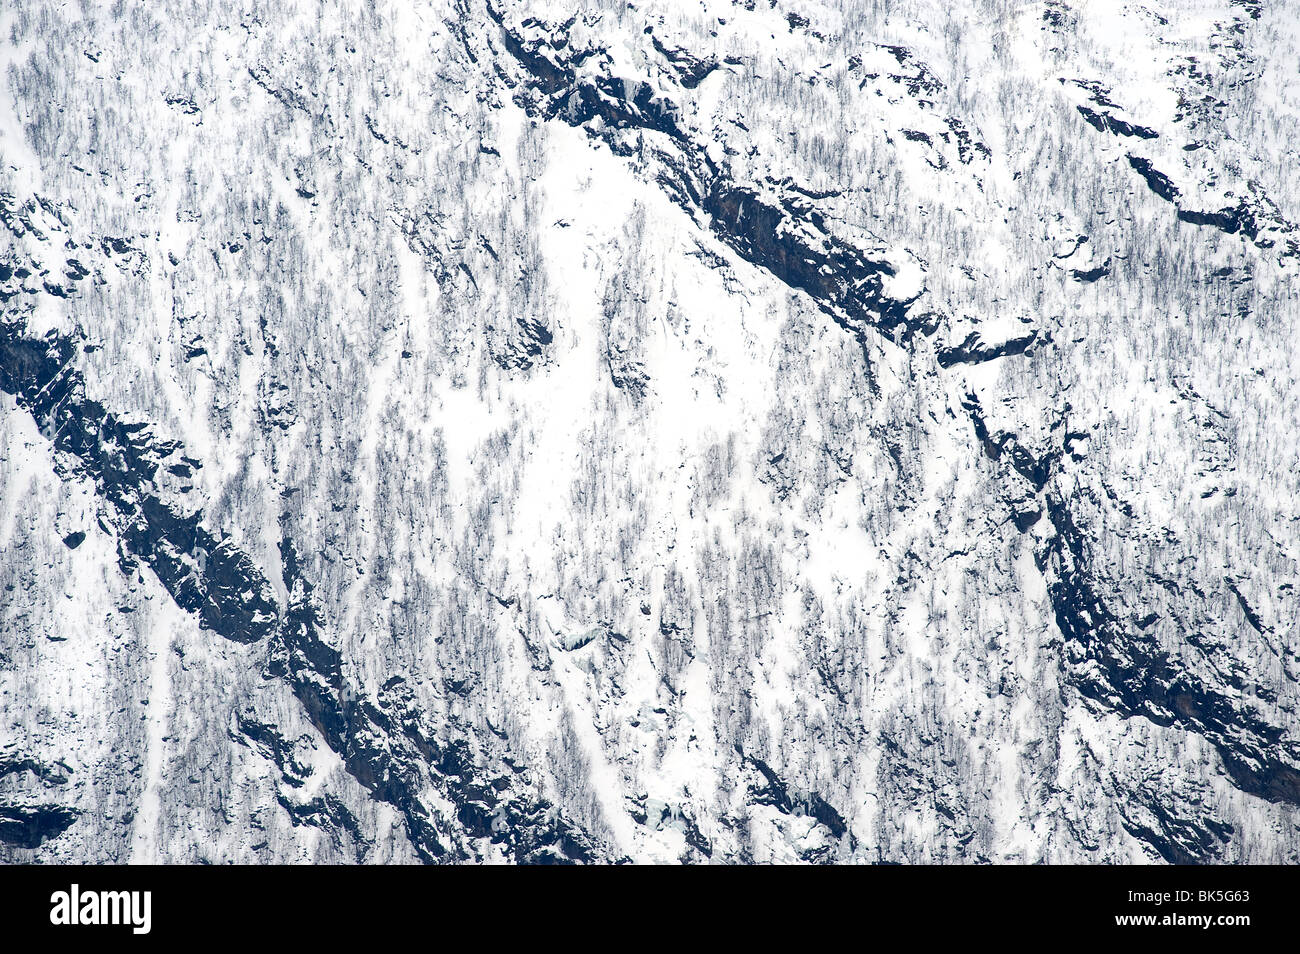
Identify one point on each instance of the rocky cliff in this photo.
(476, 430)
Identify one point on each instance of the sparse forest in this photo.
(730, 431)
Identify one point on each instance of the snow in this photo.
(621, 510)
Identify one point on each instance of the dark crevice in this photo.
(785, 234)
(1123, 668)
(1108, 123)
(389, 751)
(974, 350)
(30, 826)
(1128, 672)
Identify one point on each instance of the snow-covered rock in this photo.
(721, 432)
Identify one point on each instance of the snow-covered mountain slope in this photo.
(476, 430)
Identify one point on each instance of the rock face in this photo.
(732, 432)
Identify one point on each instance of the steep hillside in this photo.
(475, 430)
